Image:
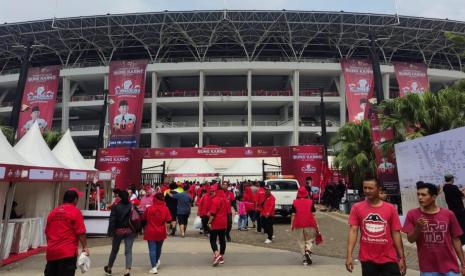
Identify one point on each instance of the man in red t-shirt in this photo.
(218, 222)
(436, 232)
(259, 199)
(64, 230)
(381, 249)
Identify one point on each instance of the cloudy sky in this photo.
(24, 10)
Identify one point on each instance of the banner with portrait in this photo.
(412, 77)
(359, 87)
(39, 98)
(126, 101)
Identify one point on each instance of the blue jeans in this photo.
(242, 222)
(154, 251)
(450, 273)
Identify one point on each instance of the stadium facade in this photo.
(226, 78)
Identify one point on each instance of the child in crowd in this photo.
(241, 210)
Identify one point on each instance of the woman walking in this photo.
(157, 216)
(303, 224)
(119, 229)
(218, 222)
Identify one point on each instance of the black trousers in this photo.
(259, 221)
(460, 215)
(220, 235)
(267, 224)
(228, 230)
(387, 269)
(206, 230)
(62, 267)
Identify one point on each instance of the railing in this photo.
(224, 123)
(316, 93)
(271, 123)
(161, 124)
(272, 93)
(179, 94)
(225, 93)
(84, 128)
(329, 123)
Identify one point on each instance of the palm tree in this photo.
(354, 155)
(52, 137)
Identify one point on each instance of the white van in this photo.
(284, 191)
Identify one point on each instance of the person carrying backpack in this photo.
(123, 225)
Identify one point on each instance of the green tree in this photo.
(52, 137)
(354, 155)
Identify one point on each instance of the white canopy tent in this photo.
(194, 169)
(243, 169)
(67, 153)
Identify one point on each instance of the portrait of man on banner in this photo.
(124, 122)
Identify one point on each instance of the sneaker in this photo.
(216, 260)
(228, 239)
(268, 241)
(304, 262)
(221, 260)
(107, 270)
(158, 264)
(308, 257)
(154, 270)
(245, 229)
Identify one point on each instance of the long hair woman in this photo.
(157, 216)
(119, 229)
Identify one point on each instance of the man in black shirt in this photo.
(172, 204)
(454, 198)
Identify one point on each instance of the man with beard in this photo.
(381, 248)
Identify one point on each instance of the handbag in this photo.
(123, 231)
(318, 238)
(135, 220)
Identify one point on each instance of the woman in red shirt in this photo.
(218, 222)
(303, 224)
(157, 216)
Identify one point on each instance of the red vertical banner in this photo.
(359, 80)
(303, 162)
(126, 98)
(386, 168)
(123, 163)
(39, 98)
(412, 77)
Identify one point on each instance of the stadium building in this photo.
(227, 78)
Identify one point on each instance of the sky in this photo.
(27, 10)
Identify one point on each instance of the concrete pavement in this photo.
(192, 256)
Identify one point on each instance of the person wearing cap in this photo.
(303, 224)
(35, 117)
(454, 199)
(268, 212)
(218, 223)
(156, 216)
(64, 230)
(124, 120)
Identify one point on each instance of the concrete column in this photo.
(296, 92)
(154, 143)
(342, 94)
(249, 108)
(4, 94)
(65, 104)
(386, 86)
(201, 90)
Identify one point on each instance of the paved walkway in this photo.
(192, 256)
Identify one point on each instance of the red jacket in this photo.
(157, 216)
(204, 204)
(249, 199)
(219, 211)
(259, 198)
(268, 206)
(303, 217)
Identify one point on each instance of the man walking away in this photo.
(64, 230)
(183, 209)
(172, 204)
(218, 222)
(454, 198)
(381, 249)
(268, 213)
(303, 224)
(436, 232)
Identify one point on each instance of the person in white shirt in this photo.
(124, 119)
(35, 117)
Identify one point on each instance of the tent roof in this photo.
(245, 167)
(67, 153)
(33, 148)
(193, 167)
(8, 155)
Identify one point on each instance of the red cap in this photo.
(302, 192)
(214, 187)
(80, 194)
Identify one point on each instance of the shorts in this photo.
(62, 267)
(183, 219)
(450, 273)
(174, 215)
(386, 269)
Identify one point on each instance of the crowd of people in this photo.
(158, 212)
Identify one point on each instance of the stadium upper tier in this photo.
(230, 35)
